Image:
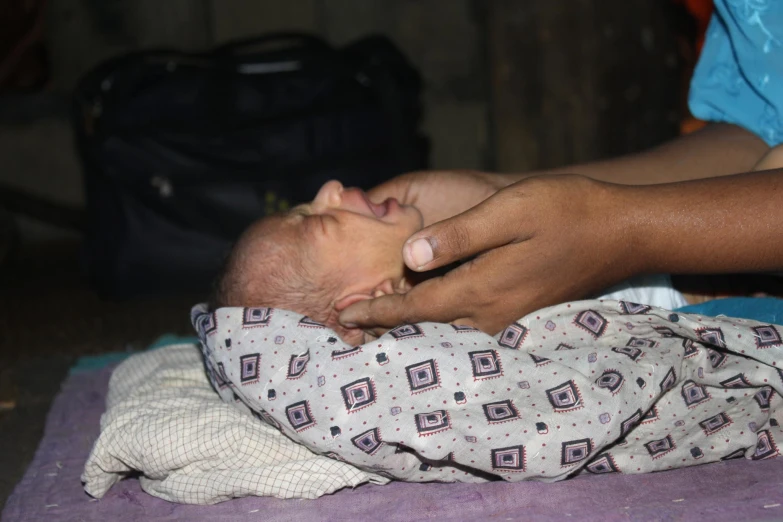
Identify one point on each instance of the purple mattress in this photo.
(51, 489)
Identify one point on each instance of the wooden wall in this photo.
(579, 80)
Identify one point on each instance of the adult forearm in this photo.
(720, 225)
(716, 150)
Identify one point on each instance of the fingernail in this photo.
(350, 325)
(419, 253)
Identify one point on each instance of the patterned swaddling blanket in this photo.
(601, 386)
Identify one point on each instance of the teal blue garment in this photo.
(762, 309)
(739, 77)
(96, 362)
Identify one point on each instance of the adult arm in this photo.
(552, 239)
(605, 232)
(716, 150)
(737, 83)
(719, 149)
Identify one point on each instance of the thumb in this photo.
(481, 228)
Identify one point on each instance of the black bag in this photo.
(182, 151)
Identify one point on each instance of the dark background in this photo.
(511, 85)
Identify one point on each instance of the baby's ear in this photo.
(344, 302)
(385, 288)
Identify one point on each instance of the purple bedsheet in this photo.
(51, 490)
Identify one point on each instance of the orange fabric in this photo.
(701, 10)
(691, 124)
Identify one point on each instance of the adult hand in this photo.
(537, 242)
(440, 194)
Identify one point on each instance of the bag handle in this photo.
(256, 43)
(227, 57)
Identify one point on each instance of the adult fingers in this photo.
(486, 226)
(380, 330)
(441, 299)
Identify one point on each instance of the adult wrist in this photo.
(629, 223)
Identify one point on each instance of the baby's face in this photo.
(356, 243)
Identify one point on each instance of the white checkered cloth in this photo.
(164, 420)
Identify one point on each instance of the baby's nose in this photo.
(336, 193)
(330, 194)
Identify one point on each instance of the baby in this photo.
(321, 257)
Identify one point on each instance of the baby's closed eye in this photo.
(321, 223)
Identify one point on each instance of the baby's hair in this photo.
(265, 269)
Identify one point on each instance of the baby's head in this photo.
(321, 257)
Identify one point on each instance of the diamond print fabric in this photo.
(597, 386)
